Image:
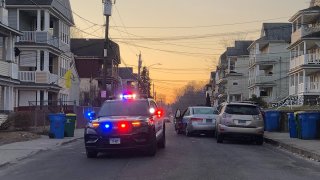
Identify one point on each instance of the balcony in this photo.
(310, 88)
(261, 79)
(38, 77)
(303, 31)
(261, 58)
(40, 37)
(306, 59)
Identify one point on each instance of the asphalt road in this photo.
(184, 158)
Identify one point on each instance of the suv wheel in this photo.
(162, 142)
(91, 154)
(219, 138)
(259, 140)
(152, 149)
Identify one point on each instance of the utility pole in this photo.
(139, 70)
(107, 13)
(153, 90)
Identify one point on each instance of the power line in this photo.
(204, 26)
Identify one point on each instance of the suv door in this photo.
(158, 121)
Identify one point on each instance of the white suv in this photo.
(237, 120)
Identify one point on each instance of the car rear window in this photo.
(242, 109)
(125, 108)
(204, 111)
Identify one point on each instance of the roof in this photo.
(62, 6)
(126, 73)
(314, 9)
(9, 30)
(277, 31)
(240, 48)
(94, 48)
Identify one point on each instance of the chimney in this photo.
(3, 12)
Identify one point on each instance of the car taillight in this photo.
(123, 125)
(151, 121)
(196, 119)
(136, 124)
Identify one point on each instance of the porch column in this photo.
(304, 47)
(46, 20)
(1, 98)
(46, 61)
(38, 60)
(38, 20)
(10, 98)
(4, 48)
(45, 97)
(17, 98)
(9, 56)
(304, 81)
(229, 64)
(38, 98)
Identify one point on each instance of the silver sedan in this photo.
(199, 119)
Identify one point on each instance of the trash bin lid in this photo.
(70, 114)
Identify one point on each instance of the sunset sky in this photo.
(185, 36)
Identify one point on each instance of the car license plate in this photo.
(209, 120)
(242, 121)
(114, 141)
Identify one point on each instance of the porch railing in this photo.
(40, 37)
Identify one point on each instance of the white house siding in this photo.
(26, 96)
(238, 85)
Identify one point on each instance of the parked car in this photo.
(196, 119)
(237, 120)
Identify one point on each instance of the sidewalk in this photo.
(12, 153)
(305, 148)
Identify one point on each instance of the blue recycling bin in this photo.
(292, 126)
(308, 122)
(272, 121)
(57, 122)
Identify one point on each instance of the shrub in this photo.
(22, 120)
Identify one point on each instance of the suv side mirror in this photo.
(178, 114)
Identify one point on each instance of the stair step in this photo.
(3, 118)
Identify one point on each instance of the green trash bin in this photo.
(70, 125)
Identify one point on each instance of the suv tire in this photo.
(91, 154)
(259, 140)
(162, 141)
(219, 138)
(152, 149)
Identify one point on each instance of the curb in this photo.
(18, 159)
(300, 151)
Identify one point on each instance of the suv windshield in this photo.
(242, 109)
(204, 111)
(125, 108)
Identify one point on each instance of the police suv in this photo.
(128, 123)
